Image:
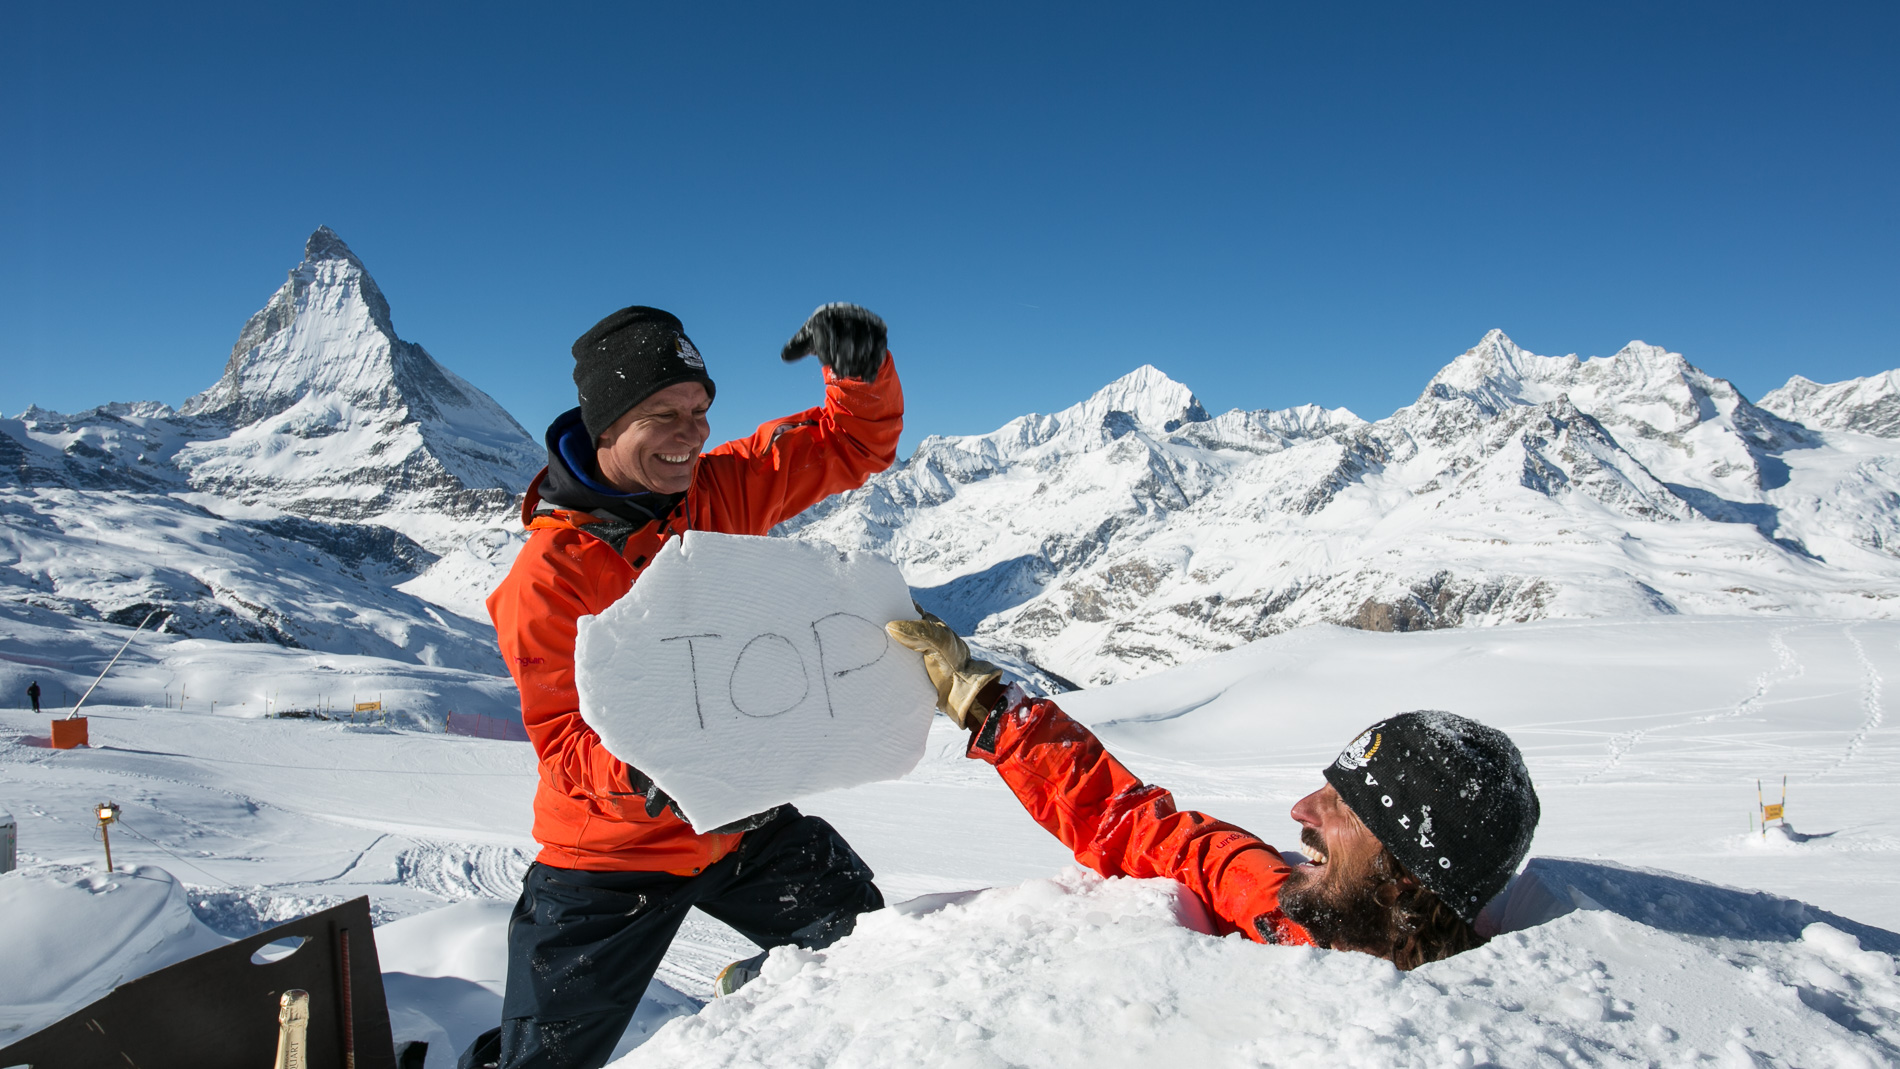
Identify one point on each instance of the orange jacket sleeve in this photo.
(1119, 826)
(561, 576)
(751, 485)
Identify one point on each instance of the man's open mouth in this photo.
(1312, 846)
(680, 459)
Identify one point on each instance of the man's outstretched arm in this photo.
(1119, 826)
(1079, 792)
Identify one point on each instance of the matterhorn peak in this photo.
(325, 332)
(319, 373)
(325, 245)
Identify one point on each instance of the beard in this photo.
(1341, 907)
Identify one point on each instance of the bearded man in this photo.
(1423, 819)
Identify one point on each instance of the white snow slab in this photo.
(741, 673)
(68, 936)
(1082, 972)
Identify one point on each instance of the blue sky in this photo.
(1275, 204)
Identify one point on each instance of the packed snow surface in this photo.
(1645, 738)
(740, 673)
(72, 933)
(1076, 970)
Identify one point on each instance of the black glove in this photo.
(751, 823)
(657, 800)
(846, 338)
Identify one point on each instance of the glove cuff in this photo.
(969, 681)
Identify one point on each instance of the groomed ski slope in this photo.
(1645, 738)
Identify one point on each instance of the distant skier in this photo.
(1423, 819)
(33, 692)
(619, 868)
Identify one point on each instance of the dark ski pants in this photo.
(582, 946)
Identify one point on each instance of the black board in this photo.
(219, 1010)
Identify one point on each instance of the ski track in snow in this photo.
(1785, 659)
(463, 870)
(1869, 700)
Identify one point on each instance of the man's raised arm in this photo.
(788, 465)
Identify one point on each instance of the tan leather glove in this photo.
(947, 658)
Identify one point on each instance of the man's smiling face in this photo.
(1331, 895)
(655, 445)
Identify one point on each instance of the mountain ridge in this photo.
(1515, 487)
(338, 489)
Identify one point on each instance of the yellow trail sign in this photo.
(369, 707)
(1771, 812)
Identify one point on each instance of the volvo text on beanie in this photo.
(1448, 796)
(628, 357)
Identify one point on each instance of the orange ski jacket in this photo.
(1119, 826)
(586, 815)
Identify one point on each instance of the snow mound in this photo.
(1083, 971)
(71, 935)
(741, 673)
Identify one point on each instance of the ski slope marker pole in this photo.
(107, 812)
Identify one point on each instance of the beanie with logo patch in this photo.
(628, 357)
(1450, 797)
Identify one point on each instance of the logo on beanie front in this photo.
(1360, 752)
(689, 354)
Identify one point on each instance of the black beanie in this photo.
(628, 357)
(1448, 796)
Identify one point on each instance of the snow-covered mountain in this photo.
(337, 488)
(333, 490)
(333, 415)
(1870, 405)
(1135, 531)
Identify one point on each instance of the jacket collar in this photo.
(573, 482)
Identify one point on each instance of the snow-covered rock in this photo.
(1132, 531)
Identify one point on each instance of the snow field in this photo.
(245, 679)
(1080, 971)
(1645, 739)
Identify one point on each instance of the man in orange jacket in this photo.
(1424, 817)
(618, 867)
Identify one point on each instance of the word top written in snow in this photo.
(740, 673)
